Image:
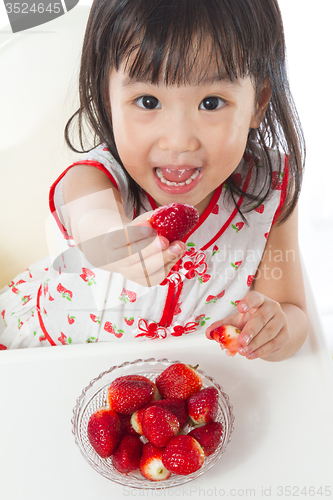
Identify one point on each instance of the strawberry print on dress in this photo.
(42, 307)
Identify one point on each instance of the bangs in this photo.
(187, 41)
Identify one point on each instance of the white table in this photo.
(283, 411)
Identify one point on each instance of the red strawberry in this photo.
(203, 406)
(128, 295)
(156, 394)
(260, 209)
(129, 321)
(177, 406)
(127, 396)
(71, 319)
(183, 455)
(108, 327)
(250, 278)
(159, 425)
(136, 419)
(126, 426)
(104, 431)
(208, 436)
(128, 454)
(95, 318)
(174, 405)
(88, 272)
(227, 336)
(151, 465)
(239, 225)
(178, 381)
(174, 221)
(2, 347)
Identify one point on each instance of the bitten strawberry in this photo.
(159, 425)
(203, 406)
(178, 381)
(183, 455)
(126, 396)
(104, 431)
(174, 221)
(128, 454)
(208, 436)
(151, 465)
(227, 336)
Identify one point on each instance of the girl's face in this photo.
(179, 143)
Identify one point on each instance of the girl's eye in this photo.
(211, 103)
(148, 102)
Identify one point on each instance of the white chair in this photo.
(38, 93)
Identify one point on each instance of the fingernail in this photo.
(247, 339)
(176, 248)
(147, 231)
(244, 307)
(162, 243)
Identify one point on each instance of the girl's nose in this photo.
(178, 134)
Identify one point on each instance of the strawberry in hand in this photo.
(174, 221)
(228, 338)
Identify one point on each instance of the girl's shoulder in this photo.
(101, 158)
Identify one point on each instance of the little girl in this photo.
(189, 102)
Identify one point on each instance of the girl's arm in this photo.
(96, 222)
(273, 315)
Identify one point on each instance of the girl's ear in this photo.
(264, 97)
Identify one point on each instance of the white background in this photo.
(308, 31)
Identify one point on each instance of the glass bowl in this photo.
(95, 395)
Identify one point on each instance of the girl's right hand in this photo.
(139, 254)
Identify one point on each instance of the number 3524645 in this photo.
(35, 8)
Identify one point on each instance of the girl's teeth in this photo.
(169, 183)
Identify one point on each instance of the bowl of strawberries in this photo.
(152, 423)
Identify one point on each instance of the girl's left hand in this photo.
(263, 324)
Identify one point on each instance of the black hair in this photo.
(164, 39)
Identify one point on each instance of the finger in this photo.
(251, 300)
(128, 236)
(142, 218)
(267, 348)
(132, 252)
(267, 333)
(257, 321)
(165, 259)
(153, 263)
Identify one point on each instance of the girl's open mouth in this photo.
(174, 181)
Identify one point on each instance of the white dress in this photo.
(45, 305)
